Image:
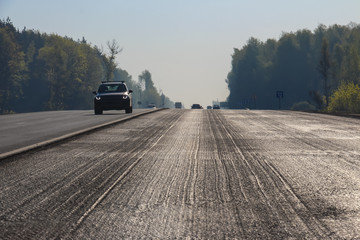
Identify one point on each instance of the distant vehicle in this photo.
(196, 106)
(208, 107)
(112, 96)
(151, 105)
(178, 105)
(216, 107)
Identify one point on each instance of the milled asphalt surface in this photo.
(191, 174)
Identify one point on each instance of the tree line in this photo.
(317, 70)
(40, 71)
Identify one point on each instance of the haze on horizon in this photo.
(186, 45)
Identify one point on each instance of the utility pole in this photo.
(254, 97)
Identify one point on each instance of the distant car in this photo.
(216, 107)
(112, 96)
(178, 105)
(196, 106)
(208, 107)
(151, 105)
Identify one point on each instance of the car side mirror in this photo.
(94, 92)
(130, 91)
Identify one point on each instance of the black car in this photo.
(216, 107)
(196, 106)
(151, 105)
(113, 96)
(178, 105)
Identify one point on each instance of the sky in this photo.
(186, 45)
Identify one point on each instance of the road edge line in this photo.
(72, 134)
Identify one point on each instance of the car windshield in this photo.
(110, 88)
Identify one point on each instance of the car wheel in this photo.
(128, 110)
(98, 111)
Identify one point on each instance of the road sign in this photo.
(279, 94)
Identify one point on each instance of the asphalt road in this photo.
(20, 130)
(193, 174)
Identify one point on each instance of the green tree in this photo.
(55, 60)
(317, 99)
(338, 58)
(324, 69)
(72, 70)
(31, 41)
(146, 79)
(87, 77)
(150, 93)
(12, 68)
(247, 75)
(352, 71)
(109, 61)
(345, 99)
(292, 64)
(290, 72)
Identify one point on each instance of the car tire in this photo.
(128, 110)
(98, 111)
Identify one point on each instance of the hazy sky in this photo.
(185, 44)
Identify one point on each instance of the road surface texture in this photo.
(20, 130)
(191, 174)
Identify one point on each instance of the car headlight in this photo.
(98, 98)
(125, 96)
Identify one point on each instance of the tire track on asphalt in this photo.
(326, 182)
(342, 150)
(219, 162)
(163, 185)
(268, 179)
(233, 202)
(218, 138)
(55, 187)
(167, 193)
(250, 210)
(127, 171)
(226, 190)
(39, 171)
(308, 138)
(63, 193)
